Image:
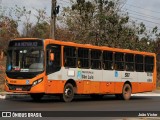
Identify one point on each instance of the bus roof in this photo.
(90, 46)
(99, 47)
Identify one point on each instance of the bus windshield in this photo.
(25, 60)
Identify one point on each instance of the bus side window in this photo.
(83, 57)
(139, 60)
(70, 56)
(108, 60)
(129, 62)
(119, 61)
(96, 58)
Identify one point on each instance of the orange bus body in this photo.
(82, 86)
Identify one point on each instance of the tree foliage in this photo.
(97, 22)
(100, 22)
(8, 30)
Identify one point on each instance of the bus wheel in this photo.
(36, 97)
(126, 92)
(68, 93)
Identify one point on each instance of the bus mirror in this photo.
(51, 56)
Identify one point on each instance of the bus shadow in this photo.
(110, 98)
(78, 98)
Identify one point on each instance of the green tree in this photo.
(100, 22)
(96, 22)
(40, 30)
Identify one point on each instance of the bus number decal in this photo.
(127, 74)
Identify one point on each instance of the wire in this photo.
(142, 8)
(144, 20)
(123, 4)
(62, 1)
(145, 25)
(141, 14)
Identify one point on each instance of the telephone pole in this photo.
(53, 19)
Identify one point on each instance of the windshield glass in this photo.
(25, 60)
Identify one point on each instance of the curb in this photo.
(6, 95)
(147, 94)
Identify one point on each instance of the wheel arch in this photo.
(127, 82)
(71, 81)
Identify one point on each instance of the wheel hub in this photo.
(68, 92)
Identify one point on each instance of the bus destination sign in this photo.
(25, 43)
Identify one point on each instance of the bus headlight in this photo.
(37, 82)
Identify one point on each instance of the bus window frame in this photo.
(137, 64)
(81, 59)
(66, 57)
(96, 60)
(111, 61)
(128, 66)
(119, 63)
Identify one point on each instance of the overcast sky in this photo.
(147, 11)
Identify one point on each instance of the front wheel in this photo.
(68, 93)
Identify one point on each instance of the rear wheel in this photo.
(68, 93)
(126, 92)
(36, 97)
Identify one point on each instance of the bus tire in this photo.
(68, 93)
(126, 92)
(37, 97)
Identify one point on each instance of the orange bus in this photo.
(45, 66)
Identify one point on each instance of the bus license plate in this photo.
(19, 89)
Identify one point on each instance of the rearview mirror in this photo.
(51, 56)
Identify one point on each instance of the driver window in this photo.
(53, 66)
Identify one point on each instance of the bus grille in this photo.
(20, 87)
